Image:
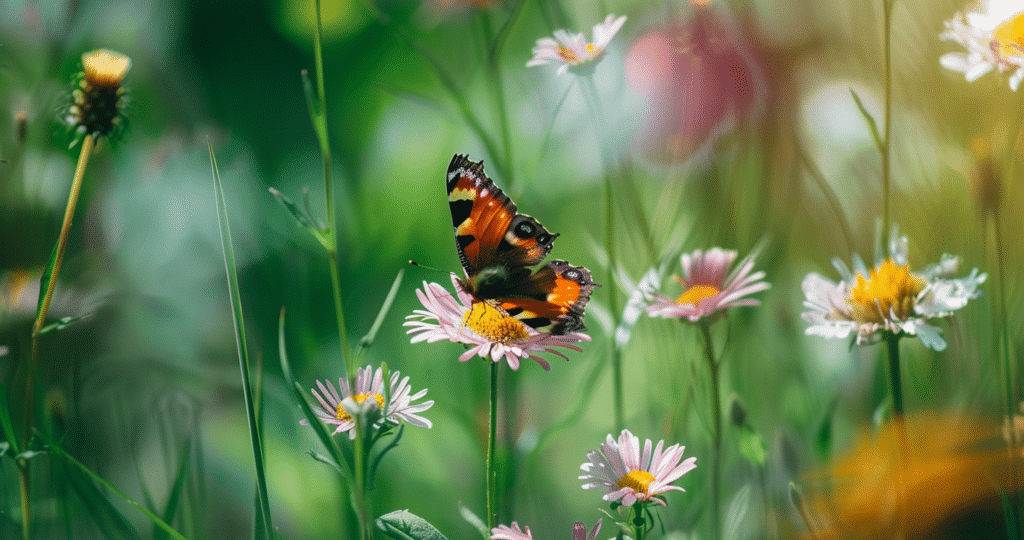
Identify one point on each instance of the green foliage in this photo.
(404, 525)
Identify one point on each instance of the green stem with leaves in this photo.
(716, 427)
(47, 284)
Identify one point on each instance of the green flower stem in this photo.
(639, 525)
(615, 354)
(893, 344)
(886, 149)
(1008, 372)
(716, 428)
(24, 474)
(491, 443)
(892, 341)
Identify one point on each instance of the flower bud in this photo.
(97, 98)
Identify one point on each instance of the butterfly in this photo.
(498, 246)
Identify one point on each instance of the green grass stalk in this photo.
(886, 147)
(49, 282)
(1008, 373)
(716, 429)
(492, 440)
(243, 350)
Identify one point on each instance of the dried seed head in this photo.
(97, 97)
(21, 125)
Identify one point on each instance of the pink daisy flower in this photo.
(707, 289)
(504, 532)
(485, 329)
(369, 386)
(629, 476)
(571, 50)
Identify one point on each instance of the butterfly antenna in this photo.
(414, 263)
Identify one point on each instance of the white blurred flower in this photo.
(994, 38)
(571, 50)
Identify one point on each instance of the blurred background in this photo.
(727, 124)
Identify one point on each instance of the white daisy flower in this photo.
(709, 287)
(487, 330)
(370, 386)
(994, 38)
(572, 50)
(887, 298)
(627, 476)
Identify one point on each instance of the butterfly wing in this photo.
(553, 298)
(489, 233)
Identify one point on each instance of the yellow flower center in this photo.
(1008, 37)
(343, 416)
(695, 294)
(567, 55)
(888, 289)
(493, 323)
(638, 481)
(105, 68)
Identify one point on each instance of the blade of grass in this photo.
(318, 427)
(368, 339)
(174, 499)
(101, 481)
(5, 420)
(243, 351)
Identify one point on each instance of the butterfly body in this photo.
(498, 247)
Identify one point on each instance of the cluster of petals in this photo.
(832, 313)
(369, 387)
(504, 532)
(709, 272)
(615, 465)
(570, 49)
(993, 37)
(442, 319)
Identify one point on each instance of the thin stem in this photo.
(1009, 376)
(594, 100)
(716, 433)
(887, 140)
(896, 388)
(491, 443)
(24, 474)
(639, 524)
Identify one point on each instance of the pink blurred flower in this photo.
(628, 476)
(699, 78)
(708, 288)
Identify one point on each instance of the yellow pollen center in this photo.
(493, 323)
(343, 416)
(591, 47)
(888, 289)
(567, 55)
(695, 294)
(1008, 37)
(638, 481)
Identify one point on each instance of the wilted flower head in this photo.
(97, 99)
(699, 77)
(571, 50)
(486, 329)
(504, 532)
(369, 387)
(887, 298)
(993, 37)
(709, 287)
(629, 476)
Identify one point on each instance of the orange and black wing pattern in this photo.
(488, 230)
(552, 299)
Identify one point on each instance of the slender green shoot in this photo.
(243, 350)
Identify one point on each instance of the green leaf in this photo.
(44, 281)
(5, 419)
(62, 323)
(404, 525)
(316, 114)
(368, 339)
(302, 218)
(243, 350)
(872, 125)
(474, 520)
(751, 446)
